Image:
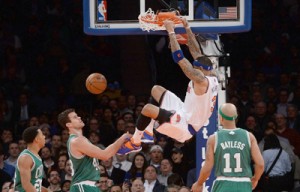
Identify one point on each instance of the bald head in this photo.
(228, 111)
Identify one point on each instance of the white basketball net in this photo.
(149, 15)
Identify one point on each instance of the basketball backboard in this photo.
(119, 17)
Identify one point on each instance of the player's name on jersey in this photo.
(232, 144)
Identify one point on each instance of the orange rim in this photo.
(161, 17)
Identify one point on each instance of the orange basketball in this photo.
(96, 83)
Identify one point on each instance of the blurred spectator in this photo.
(64, 137)
(6, 186)
(22, 144)
(115, 174)
(113, 105)
(129, 127)
(65, 186)
(166, 169)
(175, 179)
(137, 186)
(6, 109)
(131, 102)
(94, 138)
(137, 169)
(191, 177)
(251, 126)
(282, 165)
(172, 188)
(107, 128)
(48, 161)
(156, 155)
(283, 102)
(54, 180)
(93, 126)
(151, 183)
(22, 112)
(45, 128)
(68, 171)
(120, 127)
(56, 145)
(115, 188)
(121, 162)
(128, 116)
(6, 138)
(61, 165)
(293, 117)
(7, 171)
(33, 121)
(105, 183)
(271, 95)
(137, 111)
(261, 116)
(161, 140)
(292, 135)
(184, 189)
(180, 166)
(13, 151)
(284, 142)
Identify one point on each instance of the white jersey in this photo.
(198, 108)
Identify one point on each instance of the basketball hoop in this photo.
(151, 21)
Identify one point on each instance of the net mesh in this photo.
(150, 21)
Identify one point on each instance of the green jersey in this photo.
(232, 153)
(36, 172)
(84, 168)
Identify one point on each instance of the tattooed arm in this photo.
(195, 75)
(193, 44)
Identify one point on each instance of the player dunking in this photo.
(230, 150)
(177, 119)
(83, 154)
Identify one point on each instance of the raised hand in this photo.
(169, 25)
(184, 22)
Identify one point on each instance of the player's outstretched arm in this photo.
(193, 44)
(83, 146)
(208, 165)
(258, 161)
(25, 163)
(195, 75)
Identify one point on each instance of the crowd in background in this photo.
(45, 58)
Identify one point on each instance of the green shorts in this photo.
(84, 188)
(232, 186)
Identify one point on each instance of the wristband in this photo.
(177, 55)
(171, 33)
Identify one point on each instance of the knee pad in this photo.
(163, 116)
(161, 97)
(142, 122)
(153, 101)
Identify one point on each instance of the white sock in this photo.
(137, 136)
(149, 128)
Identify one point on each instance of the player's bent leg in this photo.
(150, 111)
(134, 144)
(157, 92)
(84, 188)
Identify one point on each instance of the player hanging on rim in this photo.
(177, 119)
